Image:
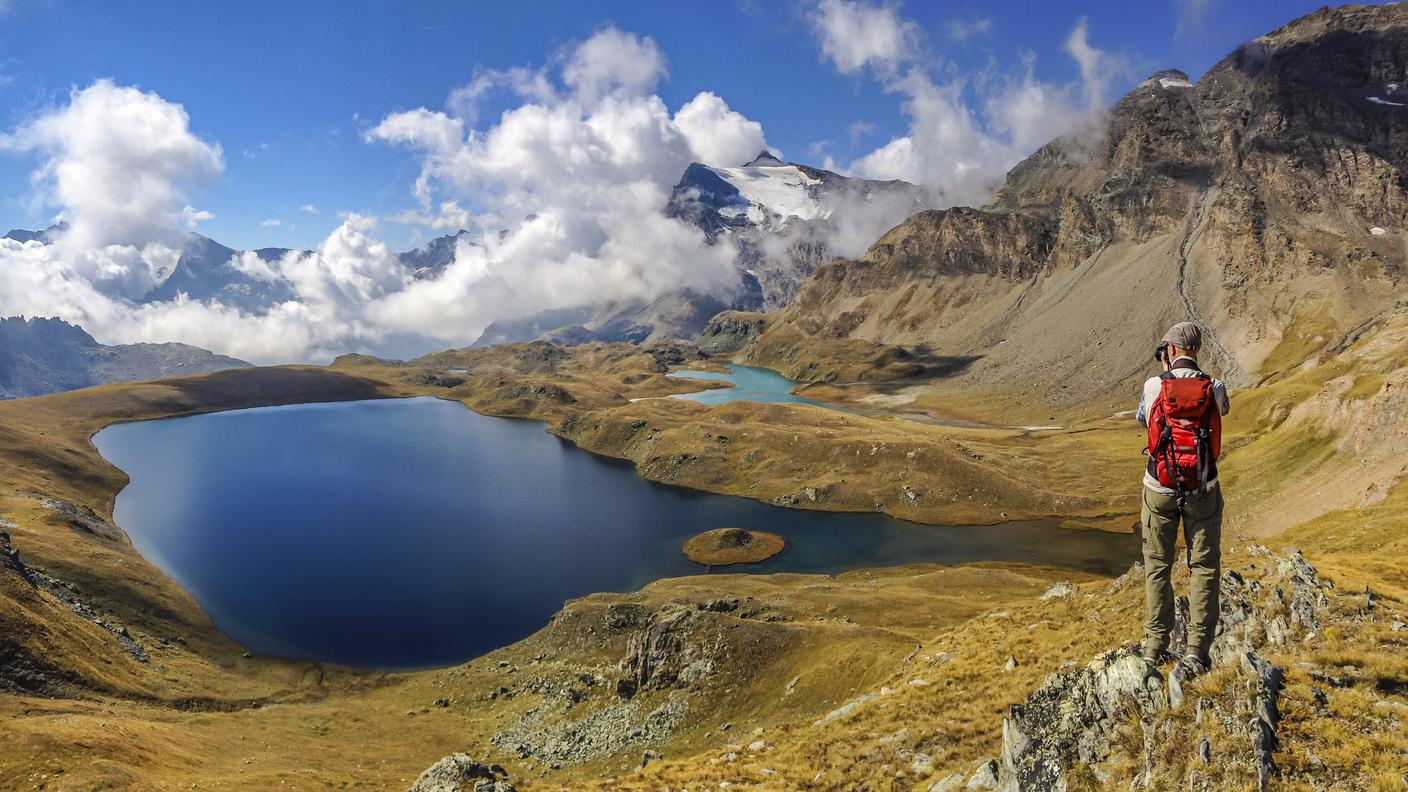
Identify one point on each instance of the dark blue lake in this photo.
(414, 532)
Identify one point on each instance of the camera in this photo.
(1161, 353)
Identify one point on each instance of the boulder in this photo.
(460, 773)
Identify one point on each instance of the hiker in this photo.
(1183, 409)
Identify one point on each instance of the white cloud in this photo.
(272, 222)
(450, 217)
(576, 180)
(855, 35)
(249, 263)
(309, 208)
(194, 216)
(1098, 69)
(118, 163)
(1030, 112)
(567, 192)
(960, 148)
(962, 31)
(858, 130)
(520, 81)
(716, 134)
(118, 160)
(613, 60)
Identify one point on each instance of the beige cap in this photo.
(1184, 335)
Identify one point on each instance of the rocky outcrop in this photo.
(461, 773)
(1071, 718)
(666, 652)
(10, 559)
(731, 331)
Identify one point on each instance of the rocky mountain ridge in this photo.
(39, 356)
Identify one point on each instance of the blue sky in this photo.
(289, 89)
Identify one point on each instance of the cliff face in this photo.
(1265, 201)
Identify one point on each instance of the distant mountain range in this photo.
(39, 356)
(785, 218)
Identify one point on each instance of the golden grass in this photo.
(203, 714)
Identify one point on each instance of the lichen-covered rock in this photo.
(461, 773)
(985, 777)
(1268, 680)
(662, 653)
(1070, 718)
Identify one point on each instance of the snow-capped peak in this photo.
(770, 187)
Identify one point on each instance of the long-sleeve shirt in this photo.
(1150, 394)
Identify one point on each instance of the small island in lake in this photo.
(724, 546)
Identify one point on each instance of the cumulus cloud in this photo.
(957, 147)
(194, 216)
(118, 164)
(118, 160)
(566, 190)
(309, 208)
(1098, 69)
(854, 35)
(613, 60)
(450, 217)
(717, 134)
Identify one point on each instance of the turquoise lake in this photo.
(749, 384)
(412, 533)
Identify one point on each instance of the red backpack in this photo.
(1185, 432)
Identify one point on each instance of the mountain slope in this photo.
(39, 356)
(1266, 202)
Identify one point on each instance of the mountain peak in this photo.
(765, 159)
(1168, 78)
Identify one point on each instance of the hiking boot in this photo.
(1192, 665)
(1158, 657)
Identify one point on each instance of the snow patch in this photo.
(1376, 231)
(779, 189)
(1379, 101)
(1174, 82)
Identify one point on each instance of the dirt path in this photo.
(1231, 371)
